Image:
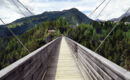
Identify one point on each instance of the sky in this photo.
(9, 12)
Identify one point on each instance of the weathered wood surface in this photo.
(62, 65)
(95, 66)
(32, 66)
(57, 64)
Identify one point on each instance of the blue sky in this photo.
(9, 13)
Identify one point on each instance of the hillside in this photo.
(126, 19)
(72, 16)
(115, 48)
(34, 32)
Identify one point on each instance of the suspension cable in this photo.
(105, 38)
(109, 34)
(96, 8)
(15, 36)
(103, 9)
(25, 16)
(18, 7)
(25, 7)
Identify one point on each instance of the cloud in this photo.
(115, 9)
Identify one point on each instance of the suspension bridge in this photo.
(64, 59)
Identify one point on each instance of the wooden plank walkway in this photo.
(62, 65)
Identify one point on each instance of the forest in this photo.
(116, 47)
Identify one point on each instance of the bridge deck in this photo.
(62, 65)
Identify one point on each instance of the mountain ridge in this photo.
(124, 17)
(73, 16)
(51, 13)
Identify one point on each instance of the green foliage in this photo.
(116, 48)
(11, 50)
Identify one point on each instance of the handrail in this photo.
(34, 65)
(99, 67)
(37, 58)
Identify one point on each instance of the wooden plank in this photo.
(62, 66)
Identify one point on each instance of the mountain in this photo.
(99, 20)
(72, 16)
(122, 18)
(125, 17)
(69, 15)
(115, 19)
